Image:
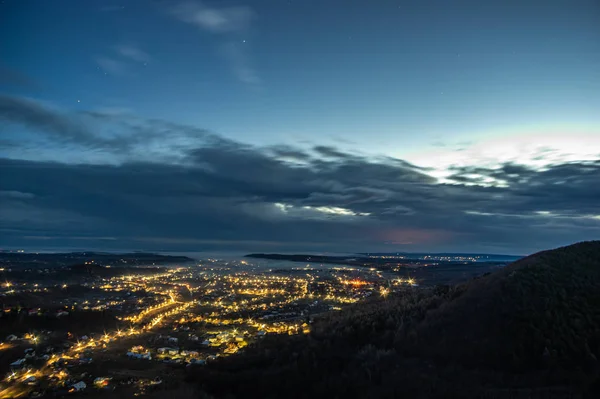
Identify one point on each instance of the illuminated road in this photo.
(171, 307)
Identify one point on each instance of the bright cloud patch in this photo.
(534, 149)
(317, 211)
(334, 210)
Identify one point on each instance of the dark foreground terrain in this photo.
(529, 330)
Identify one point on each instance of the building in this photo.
(78, 386)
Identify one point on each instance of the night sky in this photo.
(273, 125)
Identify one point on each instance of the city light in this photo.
(220, 312)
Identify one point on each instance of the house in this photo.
(79, 386)
(33, 312)
(18, 363)
(61, 313)
(137, 349)
(145, 356)
(11, 338)
(101, 382)
(186, 353)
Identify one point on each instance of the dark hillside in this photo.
(531, 329)
(544, 308)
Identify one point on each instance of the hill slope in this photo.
(544, 307)
(531, 329)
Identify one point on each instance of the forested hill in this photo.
(531, 329)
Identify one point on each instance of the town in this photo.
(131, 327)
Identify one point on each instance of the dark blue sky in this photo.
(310, 90)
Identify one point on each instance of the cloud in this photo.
(215, 20)
(132, 52)
(111, 65)
(329, 152)
(207, 190)
(532, 148)
(36, 115)
(234, 194)
(235, 54)
(229, 24)
(121, 62)
(104, 131)
(15, 195)
(289, 153)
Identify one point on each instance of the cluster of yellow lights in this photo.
(228, 294)
(102, 342)
(355, 282)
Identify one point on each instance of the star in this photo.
(78, 101)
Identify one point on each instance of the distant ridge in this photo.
(372, 255)
(418, 254)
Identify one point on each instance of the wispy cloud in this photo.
(132, 52)
(216, 20)
(122, 59)
(237, 57)
(16, 195)
(230, 24)
(111, 65)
